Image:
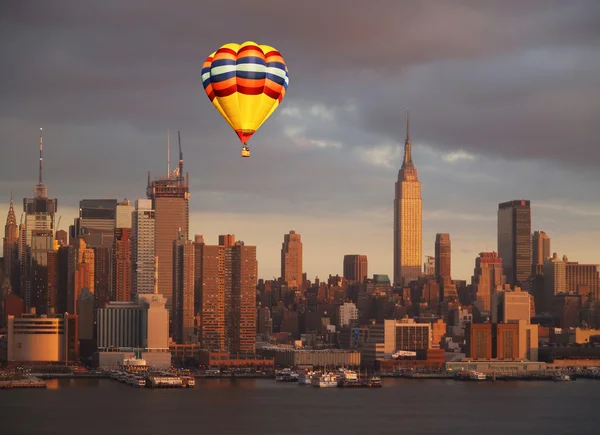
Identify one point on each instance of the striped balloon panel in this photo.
(245, 83)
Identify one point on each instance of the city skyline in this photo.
(491, 121)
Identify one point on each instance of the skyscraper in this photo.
(96, 222)
(210, 294)
(514, 240)
(443, 257)
(540, 251)
(241, 265)
(170, 201)
(183, 289)
(291, 260)
(488, 274)
(123, 272)
(39, 219)
(408, 223)
(123, 214)
(226, 277)
(142, 246)
(10, 248)
(355, 267)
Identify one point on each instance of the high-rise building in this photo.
(96, 222)
(142, 246)
(356, 267)
(80, 272)
(170, 201)
(103, 263)
(39, 210)
(123, 214)
(122, 273)
(291, 260)
(514, 240)
(488, 275)
(540, 251)
(443, 257)
(429, 266)
(37, 292)
(408, 223)
(555, 276)
(210, 294)
(226, 278)
(241, 265)
(583, 278)
(10, 248)
(183, 289)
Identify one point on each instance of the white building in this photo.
(141, 327)
(124, 215)
(143, 221)
(347, 314)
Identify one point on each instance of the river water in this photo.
(263, 406)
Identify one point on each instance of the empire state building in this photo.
(408, 222)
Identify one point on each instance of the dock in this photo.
(29, 382)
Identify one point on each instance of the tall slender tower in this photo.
(514, 240)
(443, 256)
(183, 289)
(170, 201)
(143, 258)
(408, 223)
(540, 251)
(291, 260)
(11, 248)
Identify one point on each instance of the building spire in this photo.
(168, 153)
(407, 145)
(11, 219)
(40, 191)
(180, 155)
(41, 158)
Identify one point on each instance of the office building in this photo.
(170, 201)
(142, 245)
(10, 248)
(514, 240)
(123, 214)
(183, 290)
(443, 251)
(487, 276)
(408, 220)
(540, 251)
(122, 271)
(291, 260)
(356, 267)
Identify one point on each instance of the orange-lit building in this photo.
(122, 274)
(479, 340)
(291, 260)
(506, 340)
(224, 360)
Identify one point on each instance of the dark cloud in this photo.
(506, 79)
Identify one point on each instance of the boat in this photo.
(477, 376)
(189, 381)
(345, 376)
(286, 375)
(561, 377)
(324, 380)
(305, 378)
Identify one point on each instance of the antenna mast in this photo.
(180, 155)
(168, 153)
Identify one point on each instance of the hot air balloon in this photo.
(245, 83)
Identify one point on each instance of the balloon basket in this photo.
(245, 151)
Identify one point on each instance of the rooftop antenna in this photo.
(41, 159)
(180, 154)
(168, 152)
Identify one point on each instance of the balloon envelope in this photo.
(245, 82)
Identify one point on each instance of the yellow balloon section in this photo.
(245, 83)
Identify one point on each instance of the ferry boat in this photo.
(325, 380)
(189, 381)
(477, 376)
(305, 378)
(345, 376)
(286, 375)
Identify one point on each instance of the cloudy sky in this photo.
(504, 100)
